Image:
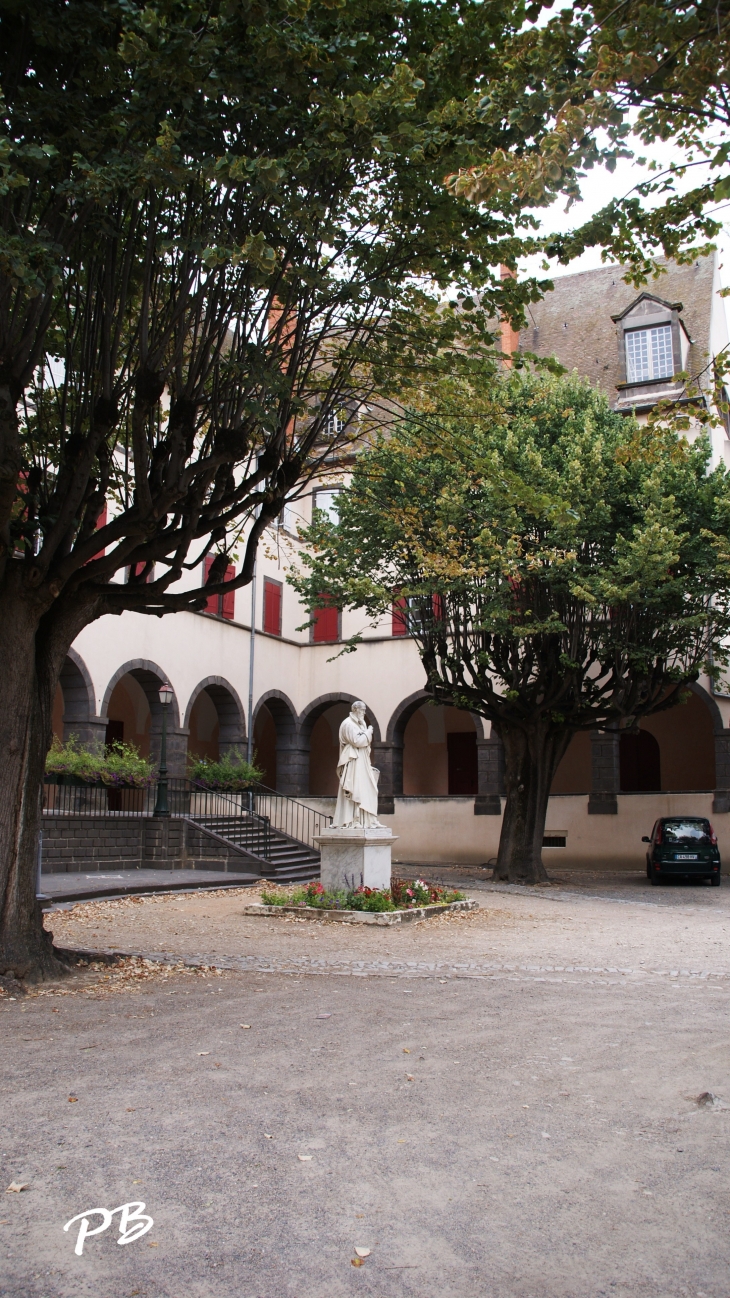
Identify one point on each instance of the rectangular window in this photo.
(327, 502)
(272, 606)
(290, 516)
(223, 605)
(326, 624)
(649, 354)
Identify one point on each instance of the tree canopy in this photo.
(559, 566)
(603, 80)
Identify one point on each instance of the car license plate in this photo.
(685, 857)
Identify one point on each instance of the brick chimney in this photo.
(509, 337)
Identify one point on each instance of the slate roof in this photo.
(573, 322)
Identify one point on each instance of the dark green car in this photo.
(683, 847)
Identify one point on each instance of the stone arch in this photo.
(79, 701)
(390, 754)
(321, 745)
(291, 767)
(149, 676)
(710, 704)
(318, 706)
(231, 719)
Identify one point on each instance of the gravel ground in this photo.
(501, 1104)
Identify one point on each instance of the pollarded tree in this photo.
(563, 568)
(222, 228)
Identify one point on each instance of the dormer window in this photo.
(649, 354)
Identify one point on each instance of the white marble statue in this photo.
(357, 800)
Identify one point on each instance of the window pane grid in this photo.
(649, 354)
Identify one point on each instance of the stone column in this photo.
(721, 800)
(177, 746)
(605, 773)
(490, 777)
(292, 766)
(388, 757)
(88, 730)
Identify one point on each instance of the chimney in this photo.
(509, 337)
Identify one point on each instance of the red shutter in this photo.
(437, 603)
(213, 602)
(326, 624)
(228, 601)
(272, 607)
(398, 622)
(101, 522)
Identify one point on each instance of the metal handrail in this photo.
(257, 810)
(288, 815)
(209, 808)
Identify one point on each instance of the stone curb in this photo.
(381, 918)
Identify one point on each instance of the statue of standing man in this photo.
(357, 800)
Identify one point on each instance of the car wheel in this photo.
(654, 878)
(715, 880)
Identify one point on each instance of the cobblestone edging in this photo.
(439, 969)
(382, 918)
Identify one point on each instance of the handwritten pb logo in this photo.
(132, 1224)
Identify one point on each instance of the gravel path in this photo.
(501, 1104)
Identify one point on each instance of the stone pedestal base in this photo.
(355, 858)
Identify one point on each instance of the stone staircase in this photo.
(288, 860)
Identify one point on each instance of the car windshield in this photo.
(690, 833)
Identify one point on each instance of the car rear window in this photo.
(687, 832)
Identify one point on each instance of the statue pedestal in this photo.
(355, 858)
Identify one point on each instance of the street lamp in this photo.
(165, 694)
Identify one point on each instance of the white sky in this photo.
(598, 188)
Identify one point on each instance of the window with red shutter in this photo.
(228, 601)
(101, 522)
(398, 622)
(326, 624)
(272, 606)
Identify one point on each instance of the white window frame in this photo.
(326, 491)
(648, 352)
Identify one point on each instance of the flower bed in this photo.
(403, 894)
(406, 899)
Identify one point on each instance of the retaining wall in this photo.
(88, 843)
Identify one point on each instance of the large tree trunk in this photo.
(531, 757)
(33, 646)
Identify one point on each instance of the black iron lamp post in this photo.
(161, 808)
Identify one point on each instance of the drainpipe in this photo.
(252, 651)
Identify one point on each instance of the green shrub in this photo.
(118, 766)
(231, 774)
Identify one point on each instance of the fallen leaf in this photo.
(130, 1110)
(357, 1261)
(362, 1252)
(244, 1025)
(5, 1223)
(406, 1051)
(73, 1099)
(16, 1186)
(136, 1182)
(217, 1065)
(401, 1142)
(203, 1052)
(304, 1158)
(267, 1136)
(409, 1077)
(153, 1244)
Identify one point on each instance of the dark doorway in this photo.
(640, 763)
(462, 754)
(114, 732)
